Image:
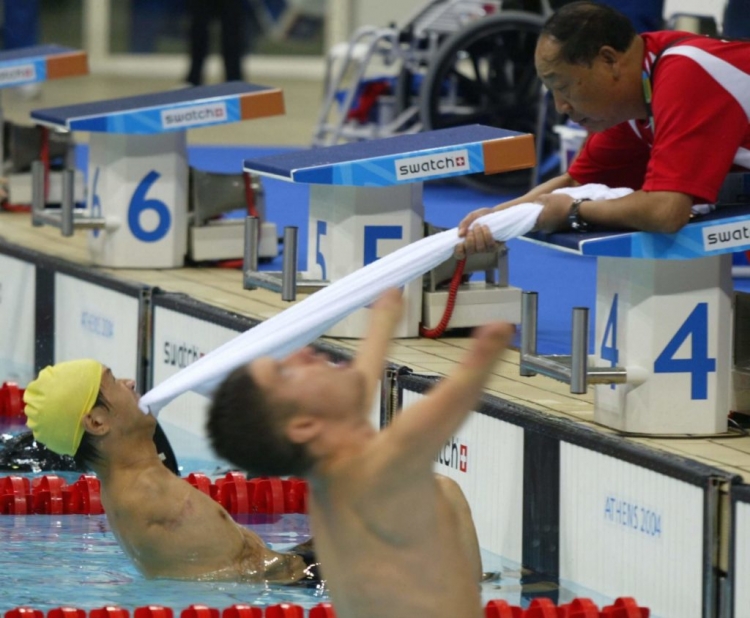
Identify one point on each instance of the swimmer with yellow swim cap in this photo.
(169, 528)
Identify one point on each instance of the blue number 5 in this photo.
(374, 233)
(320, 230)
(699, 365)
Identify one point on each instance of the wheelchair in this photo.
(454, 62)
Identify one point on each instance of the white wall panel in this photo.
(17, 298)
(179, 340)
(628, 531)
(92, 321)
(742, 561)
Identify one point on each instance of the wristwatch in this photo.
(575, 221)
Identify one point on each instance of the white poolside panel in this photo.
(93, 321)
(179, 340)
(485, 457)
(742, 561)
(629, 531)
(17, 302)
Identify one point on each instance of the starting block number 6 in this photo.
(139, 204)
(698, 364)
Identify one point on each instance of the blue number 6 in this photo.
(139, 203)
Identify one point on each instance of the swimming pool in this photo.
(51, 561)
(84, 567)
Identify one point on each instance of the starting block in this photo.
(663, 360)
(30, 65)
(137, 192)
(366, 201)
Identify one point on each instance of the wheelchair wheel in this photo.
(484, 74)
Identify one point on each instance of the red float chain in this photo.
(624, 607)
(50, 495)
(11, 401)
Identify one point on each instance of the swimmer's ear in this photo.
(302, 428)
(95, 422)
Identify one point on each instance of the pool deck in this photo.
(223, 288)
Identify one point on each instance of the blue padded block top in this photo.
(61, 116)
(36, 51)
(724, 230)
(284, 165)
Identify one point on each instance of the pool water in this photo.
(74, 560)
(49, 561)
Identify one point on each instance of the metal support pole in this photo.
(250, 251)
(37, 193)
(529, 303)
(579, 351)
(289, 264)
(67, 206)
(502, 266)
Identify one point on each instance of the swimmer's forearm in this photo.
(384, 317)
(427, 424)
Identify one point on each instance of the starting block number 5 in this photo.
(372, 234)
(698, 364)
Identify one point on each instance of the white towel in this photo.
(304, 322)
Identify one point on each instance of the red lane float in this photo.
(285, 610)
(11, 401)
(242, 611)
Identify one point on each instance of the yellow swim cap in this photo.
(57, 401)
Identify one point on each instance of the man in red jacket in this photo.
(667, 112)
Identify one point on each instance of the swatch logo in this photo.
(432, 165)
(454, 454)
(180, 354)
(19, 73)
(726, 236)
(193, 115)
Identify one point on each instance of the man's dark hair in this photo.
(583, 28)
(87, 453)
(246, 428)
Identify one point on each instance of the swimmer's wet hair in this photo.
(246, 428)
(583, 28)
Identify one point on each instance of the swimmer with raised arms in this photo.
(393, 539)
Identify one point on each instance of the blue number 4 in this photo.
(610, 352)
(699, 365)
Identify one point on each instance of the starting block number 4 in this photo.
(698, 364)
(674, 328)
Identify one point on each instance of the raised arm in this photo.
(370, 360)
(419, 431)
